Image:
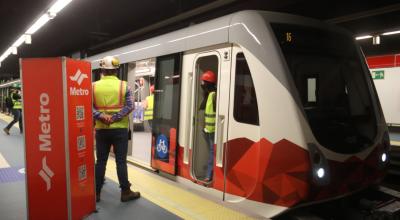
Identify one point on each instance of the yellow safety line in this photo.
(3, 162)
(7, 119)
(395, 143)
(181, 202)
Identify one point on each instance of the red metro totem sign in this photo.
(57, 110)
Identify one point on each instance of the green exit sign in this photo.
(378, 74)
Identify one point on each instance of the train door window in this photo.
(312, 90)
(202, 151)
(140, 78)
(166, 112)
(245, 104)
(311, 83)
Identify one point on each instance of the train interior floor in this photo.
(161, 197)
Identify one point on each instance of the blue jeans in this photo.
(17, 118)
(118, 138)
(210, 164)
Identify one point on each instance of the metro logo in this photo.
(46, 174)
(45, 138)
(77, 92)
(79, 77)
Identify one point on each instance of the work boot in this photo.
(97, 197)
(6, 131)
(128, 195)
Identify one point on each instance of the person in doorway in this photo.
(148, 105)
(16, 111)
(112, 103)
(208, 84)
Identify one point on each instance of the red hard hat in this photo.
(151, 88)
(209, 76)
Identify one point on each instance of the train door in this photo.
(140, 78)
(242, 145)
(166, 113)
(204, 156)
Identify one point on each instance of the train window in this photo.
(334, 87)
(245, 105)
(311, 85)
(312, 90)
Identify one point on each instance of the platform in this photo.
(161, 198)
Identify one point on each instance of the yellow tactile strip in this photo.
(181, 202)
(395, 143)
(7, 118)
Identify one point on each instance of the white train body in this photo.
(275, 146)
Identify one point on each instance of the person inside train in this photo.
(148, 105)
(16, 111)
(112, 103)
(208, 84)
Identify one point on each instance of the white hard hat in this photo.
(109, 62)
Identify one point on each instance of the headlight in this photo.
(384, 157)
(320, 172)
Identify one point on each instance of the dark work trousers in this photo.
(17, 118)
(210, 163)
(118, 138)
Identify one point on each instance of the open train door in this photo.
(166, 113)
(217, 60)
(240, 144)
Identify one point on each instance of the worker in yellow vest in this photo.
(208, 84)
(148, 105)
(112, 103)
(16, 111)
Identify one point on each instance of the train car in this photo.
(298, 120)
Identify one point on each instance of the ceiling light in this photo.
(392, 32)
(5, 54)
(144, 70)
(19, 41)
(58, 6)
(376, 40)
(14, 50)
(51, 15)
(38, 24)
(363, 37)
(28, 39)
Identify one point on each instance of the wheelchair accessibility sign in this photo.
(162, 147)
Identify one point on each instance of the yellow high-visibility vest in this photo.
(109, 97)
(17, 104)
(148, 114)
(210, 114)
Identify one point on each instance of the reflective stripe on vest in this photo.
(148, 114)
(17, 104)
(210, 114)
(109, 97)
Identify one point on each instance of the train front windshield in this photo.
(332, 84)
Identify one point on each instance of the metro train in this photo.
(298, 120)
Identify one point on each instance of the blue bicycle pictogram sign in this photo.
(162, 146)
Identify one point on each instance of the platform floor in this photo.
(161, 197)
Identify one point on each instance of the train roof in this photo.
(243, 28)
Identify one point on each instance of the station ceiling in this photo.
(93, 26)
